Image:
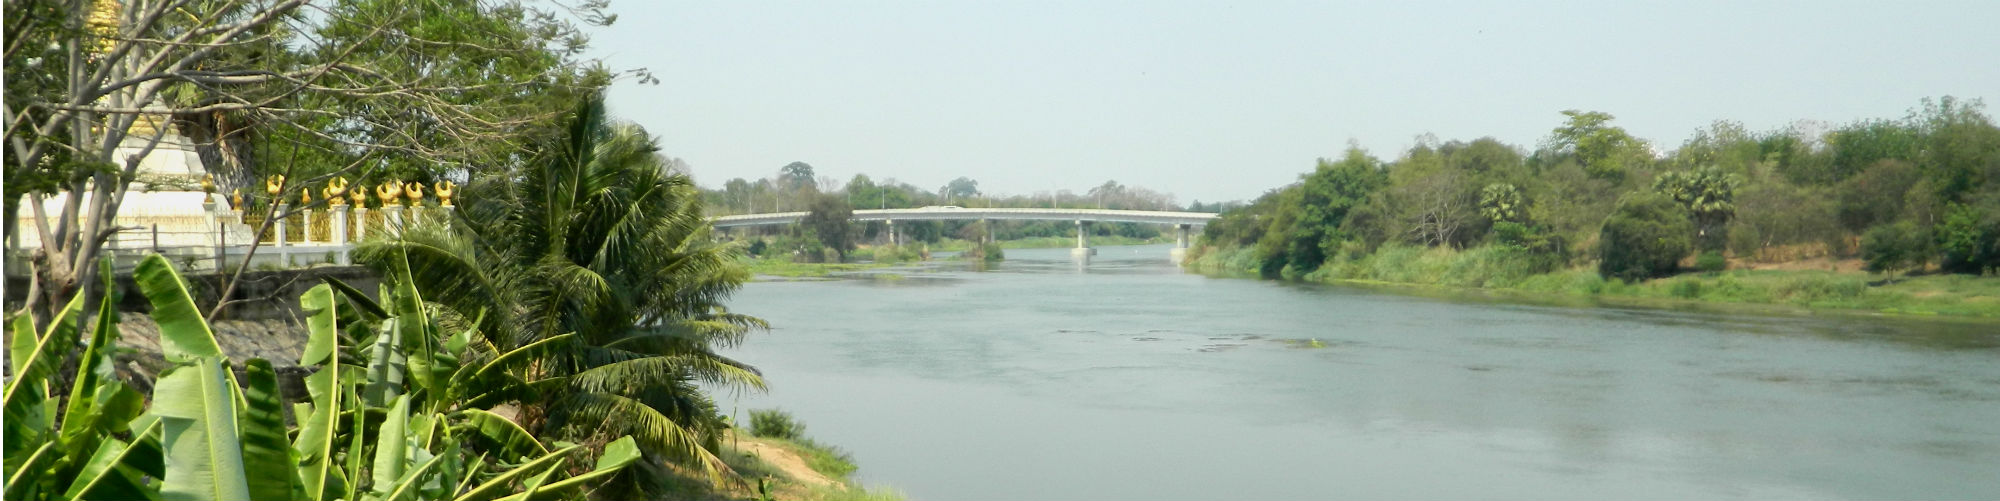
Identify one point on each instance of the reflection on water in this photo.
(1127, 378)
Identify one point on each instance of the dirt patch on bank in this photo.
(786, 462)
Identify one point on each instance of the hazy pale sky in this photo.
(1223, 100)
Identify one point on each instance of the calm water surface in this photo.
(1128, 379)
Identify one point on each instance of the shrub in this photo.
(1711, 262)
(774, 423)
(1687, 289)
(1891, 247)
(1645, 237)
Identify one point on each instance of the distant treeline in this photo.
(1904, 193)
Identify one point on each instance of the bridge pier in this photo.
(1082, 250)
(1179, 253)
(892, 231)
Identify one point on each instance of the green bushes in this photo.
(1645, 237)
(778, 424)
(774, 423)
(1711, 262)
(1891, 247)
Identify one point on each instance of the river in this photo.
(1130, 379)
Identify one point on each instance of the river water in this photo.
(1129, 379)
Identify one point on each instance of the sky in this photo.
(1216, 101)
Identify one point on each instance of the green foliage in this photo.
(1891, 247)
(1875, 196)
(1645, 237)
(596, 292)
(775, 423)
(827, 222)
(1969, 238)
(1501, 203)
(1709, 196)
(206, 436)
(1710, 262)
(1604, 151)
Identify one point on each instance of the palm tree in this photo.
(593, 277)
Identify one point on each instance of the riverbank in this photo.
(1493, 270)
(953, 244)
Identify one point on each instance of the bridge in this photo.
(1182, 221)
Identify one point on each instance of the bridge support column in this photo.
(1179, 252)
(892, 231)
(986, 227)
(1082, 250)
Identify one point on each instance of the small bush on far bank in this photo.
(774, 423)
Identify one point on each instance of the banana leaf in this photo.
(204, 455)
(119, 471)
(184, 334)
(264, 441)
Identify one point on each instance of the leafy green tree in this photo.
(1891, 247)
(1604, 151)
(1325, 197)
(1960, 146)
(798, 176)
(1968, 238)
(961, 188)
(344, 87)
(1876, 196)
(1709, 197)
(828, 222)
(1862, 145)
(596, 266)
(1645, 237)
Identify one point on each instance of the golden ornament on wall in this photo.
(444, 190)
(360, 196)
(415, 192)
(208, 183)
(274, 184)
(388, 192)
(334, 191)
(236, 199)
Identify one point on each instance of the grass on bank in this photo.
(1506, 269)
(781, 267)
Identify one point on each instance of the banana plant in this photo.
(78, 456)
(204, 426)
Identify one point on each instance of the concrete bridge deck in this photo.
(957, 213)
(1182, 221)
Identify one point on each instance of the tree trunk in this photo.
(224, 148)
